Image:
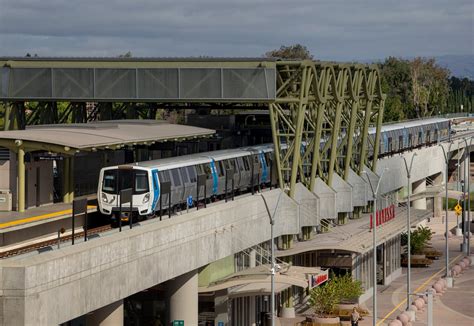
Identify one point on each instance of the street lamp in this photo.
(446, 160)
(272, 223)
(408, 169)
(467, 226)
(374, 243)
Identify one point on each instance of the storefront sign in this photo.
(316, 280)
(384, 215)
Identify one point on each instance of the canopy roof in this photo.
(256, 281)
(67, 138)
(355, 236)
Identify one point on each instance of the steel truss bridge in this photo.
(320, 111)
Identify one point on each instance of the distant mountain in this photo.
(459, 65)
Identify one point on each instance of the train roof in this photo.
(410, 124)
(200, 158)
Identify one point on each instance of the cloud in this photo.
(332, 30)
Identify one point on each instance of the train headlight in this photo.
(146, 199)
(104, 198)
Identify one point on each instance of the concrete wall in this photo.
(428, 161)
(60, 285)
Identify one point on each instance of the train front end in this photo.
(115, 181)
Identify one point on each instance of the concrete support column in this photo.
(111, 315)
(66, 180)
(21, 179)
(183, 298)
(417, 187)
(438, 180)
(253, 258)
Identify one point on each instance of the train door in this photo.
(177, 187)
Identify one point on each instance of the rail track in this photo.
(52, 242)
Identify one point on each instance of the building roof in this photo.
(256, 280)
(99, 135)
(355, 236)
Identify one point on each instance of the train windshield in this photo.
(119, 179)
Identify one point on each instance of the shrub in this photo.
(349, 290)
(324, 299)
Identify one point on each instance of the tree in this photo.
(396, 83)
(296, 51)
(430, 86)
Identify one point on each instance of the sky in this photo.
(331, 29)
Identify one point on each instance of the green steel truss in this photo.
(321, 116)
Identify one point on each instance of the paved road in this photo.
(455, 307)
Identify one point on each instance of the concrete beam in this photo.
(60, 285)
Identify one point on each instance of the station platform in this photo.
(16, 227)
(35, 214)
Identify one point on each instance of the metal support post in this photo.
(430, 307)
(408, 169)
(374, 242)
(21, 179)
(446, 160)
(71, 178)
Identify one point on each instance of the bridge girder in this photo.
(330, 102)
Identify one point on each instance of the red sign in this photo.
(384, 215)
(319, 279)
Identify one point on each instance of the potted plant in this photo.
(349, 291)
(324, 299)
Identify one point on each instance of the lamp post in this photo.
(374, 243)
(408, 169)
(446, 160)
(272, 270)
(467, 224)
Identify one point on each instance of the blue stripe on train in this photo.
(264, 167)
(156, 188)
(214, 176)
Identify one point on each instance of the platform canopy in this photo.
(70, 138)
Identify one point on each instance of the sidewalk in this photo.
(455, 307)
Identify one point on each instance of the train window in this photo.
(191, 173)
(420, 137)
(164, 176)
(428, 136)
(389, 144)
(240, 164)
(255, 159)
(400, 142)
(435, 135)
(207, 170)
(268, 158)
(410, 140)
(141, 182)
(220, 168)
(200, 169)
(176, 179)
(184, 175)
(246, 163)
(109, 183)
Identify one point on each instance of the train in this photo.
(240, 170)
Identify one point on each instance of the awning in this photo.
(355, 236)
(257, 280)
(68, 138)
